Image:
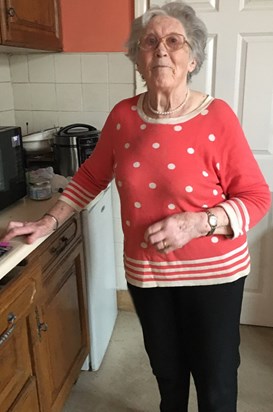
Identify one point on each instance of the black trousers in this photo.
(193, 330)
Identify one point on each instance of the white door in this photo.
(239, 69)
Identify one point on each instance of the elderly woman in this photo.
(190, 189)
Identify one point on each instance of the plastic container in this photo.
(40, 190)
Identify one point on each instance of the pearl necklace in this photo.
(169, 111)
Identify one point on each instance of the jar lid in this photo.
(40, 183)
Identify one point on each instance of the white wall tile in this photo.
(7, 118)
(44, 120)
(118, 92)
(121, 69)
(6, 99)
(22, 96)
(68, 68)
(41, 68)
(43, 96)
(95, 97)
(94, 68)
(66, 118)
(69, 97)
(96, 119)
(4, 68)
(22, 117)
(19, 68)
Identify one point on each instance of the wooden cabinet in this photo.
(31, 24)
(42, 357)
(17, 296)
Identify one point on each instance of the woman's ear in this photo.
(192, 65)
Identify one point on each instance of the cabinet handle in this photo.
(11, 12)
(64, 241)
(41, 326)
(11, 321)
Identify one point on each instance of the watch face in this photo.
(212, 220)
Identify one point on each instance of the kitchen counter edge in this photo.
(23, 210)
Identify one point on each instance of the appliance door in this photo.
(12, 170)
(98, 233)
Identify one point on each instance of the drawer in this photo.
(60, 242)
(15, 303)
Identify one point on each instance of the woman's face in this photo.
(160, 68)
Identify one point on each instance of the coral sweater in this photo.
(164, 167)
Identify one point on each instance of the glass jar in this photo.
(40, 190)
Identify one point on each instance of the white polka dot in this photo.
(143, 126)
(137, 205)
(136, 164)
(224, 196)
(128, 223)
(143, 245)
(152, 185)
(212, 138)
(127, 145)
(134, 108)
(218, 166)
(171, 166)
(177, 128)
(190, 150)
(204, 112)
(171, 206)
(155, 145)
(205, 174)
(215, 192)
(214, 239)
(119, 183)
(189, 189)
(118, 126)
(205, 206)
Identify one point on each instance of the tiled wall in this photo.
(7, 115)
(46, 90)
(63, 88)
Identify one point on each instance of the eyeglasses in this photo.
(172, 42)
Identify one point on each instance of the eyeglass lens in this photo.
(172, 41)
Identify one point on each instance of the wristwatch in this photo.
(212, 221)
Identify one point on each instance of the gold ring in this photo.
(165, 244)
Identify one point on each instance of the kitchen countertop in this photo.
(23, 210)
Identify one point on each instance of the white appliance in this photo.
(98, 231)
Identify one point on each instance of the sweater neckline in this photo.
(174, 120)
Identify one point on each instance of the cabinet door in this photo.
(27, 401)
(15, 350)
(31, 23)
(62, 343)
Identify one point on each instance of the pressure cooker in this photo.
(72, 145)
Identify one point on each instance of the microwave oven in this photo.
(12, 168)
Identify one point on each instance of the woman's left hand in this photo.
(176, 231)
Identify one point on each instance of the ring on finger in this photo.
(165, 244)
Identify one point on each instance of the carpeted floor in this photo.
(124, 383)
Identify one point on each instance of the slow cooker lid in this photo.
(78, 129)
(70, 134)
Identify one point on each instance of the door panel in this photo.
(239, 69)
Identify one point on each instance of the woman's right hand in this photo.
(31, 230)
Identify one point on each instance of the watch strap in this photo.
(212, 227)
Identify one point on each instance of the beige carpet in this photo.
(124, 382)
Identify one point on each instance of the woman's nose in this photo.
(161, 49)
